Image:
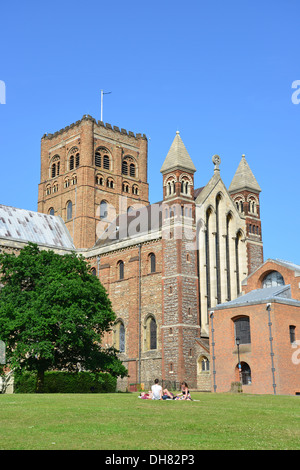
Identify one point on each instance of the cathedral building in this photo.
(165, 265)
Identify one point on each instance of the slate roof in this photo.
(266, 295)
(29, 226)
(244, 178)
(178, 157)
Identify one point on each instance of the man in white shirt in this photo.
(156, 391)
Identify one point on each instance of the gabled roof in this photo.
(178, 157)
(244, 178)
(287, 264)
(28, 226)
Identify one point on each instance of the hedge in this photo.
(66, 382)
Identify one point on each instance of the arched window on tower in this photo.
(98, 158)
(55, 166)
(69, 210)
(74, 158)
(124, 167)
(103, 210)
(135, 190)
(106, 162)
(71, 162)
(132, 170)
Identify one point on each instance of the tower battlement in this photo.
(87, 117)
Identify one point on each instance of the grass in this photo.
(124, 422)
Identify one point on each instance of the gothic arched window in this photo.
(150, 333)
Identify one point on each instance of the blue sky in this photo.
(219, 72)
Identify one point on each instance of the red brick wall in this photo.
(257, 354)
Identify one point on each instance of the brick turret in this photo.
(180, 325)
(245, 191)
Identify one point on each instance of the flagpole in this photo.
(102, 93)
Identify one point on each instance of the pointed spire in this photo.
(178, 157)
(244, 178)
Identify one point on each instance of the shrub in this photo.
(66, 382)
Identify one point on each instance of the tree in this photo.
(53, 314)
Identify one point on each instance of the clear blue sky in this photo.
(219, 72)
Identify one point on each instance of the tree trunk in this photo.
(40, 381)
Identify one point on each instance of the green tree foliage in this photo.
(53, 313)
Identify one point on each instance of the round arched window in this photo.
(273, 279)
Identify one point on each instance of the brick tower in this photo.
(90, 173)
(180, 325)
(245, 190)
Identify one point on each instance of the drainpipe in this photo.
(271, 347)
(211, 315)
(74, 217)
(140, 314)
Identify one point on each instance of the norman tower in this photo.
(90, 173)
(180, 325)
(245, 190)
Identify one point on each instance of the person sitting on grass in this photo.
(185, 393)
(156, 391)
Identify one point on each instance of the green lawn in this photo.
(125, 422)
